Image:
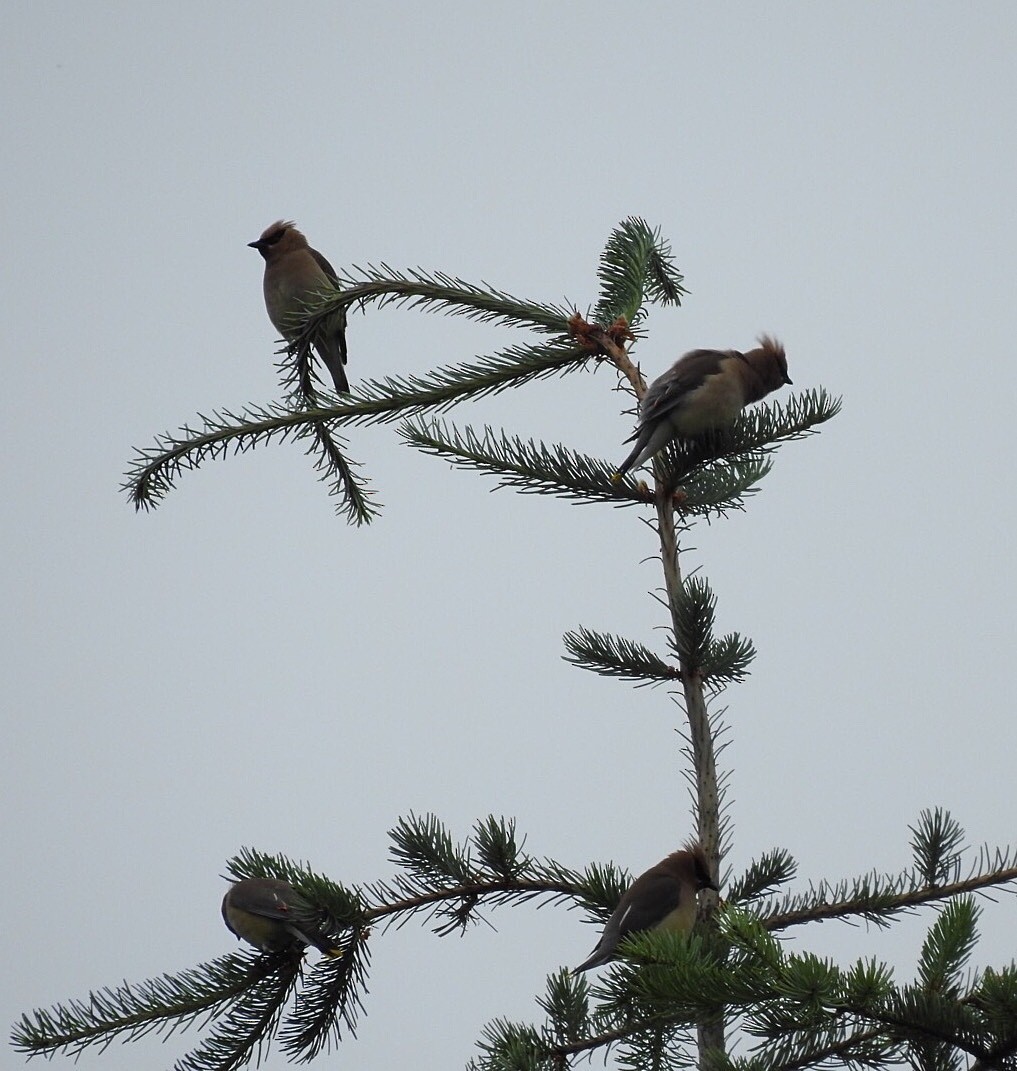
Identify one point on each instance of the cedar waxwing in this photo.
(664, 898)
(273, 916)
(295, 278)
(702, 391)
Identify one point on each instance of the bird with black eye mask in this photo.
(296, 278)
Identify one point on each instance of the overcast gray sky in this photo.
(241, 668)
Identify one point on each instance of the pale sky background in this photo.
(241, 668)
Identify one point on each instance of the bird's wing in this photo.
(331, 344)
(687, 374)
(268, 903)
(650, 900)
(325, 266)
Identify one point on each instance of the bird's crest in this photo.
(699, 863)
(770, 346)
(275, 231)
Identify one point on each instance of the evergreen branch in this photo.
(416, 289)
(636, 265)
(806, 1007)
(862, 988)
(464, 898)
(535, 468)
(510, 1045)
(811, 985)
(615, 656)
(156, 469)
(333, 468)
(693, 608)
(775, 868)
(452, 881)
(1000, 1058)
(336, 472)
(424, 847)
(663, 279)
(299, 366)
(703, 737)
(875, 899)
(1002, 1051)
(948, 946)
(258, 986)
(606, 1039)
(995, 998)
(504, 875)
(529, 467)
(538, 470)
(798, 417)
(162, 1005)
(658, 1046)
(497, 848)
(600, 888)
(716, 488)
(718, 737)
(381, 400)
(669, 977)
(253, 863)
(867, 981)
(727, 660)
(926, 1021)
(566, 1006)
(799, 1002)
(608, 340)
(332, 992)
(664, 983)
(759, 430)
(861, 1048)
(505, 1044)
(247, 1028)
(935, 842)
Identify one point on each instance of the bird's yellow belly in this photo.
(681, 920)
(715, 404)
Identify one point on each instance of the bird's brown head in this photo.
(692, 860)
(279, 237)
(769, 367)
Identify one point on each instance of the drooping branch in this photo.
(156, 469)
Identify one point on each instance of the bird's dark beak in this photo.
(256, 245)
(787, 379)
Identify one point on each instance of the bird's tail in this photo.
(598, 957)
(315, 937)
(326, 947)
(335, 366)
(629, 462)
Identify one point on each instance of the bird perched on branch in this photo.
(296, 276)
(273, 916)
(664, 898)
(703, 391)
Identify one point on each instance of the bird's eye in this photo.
(275, 236)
